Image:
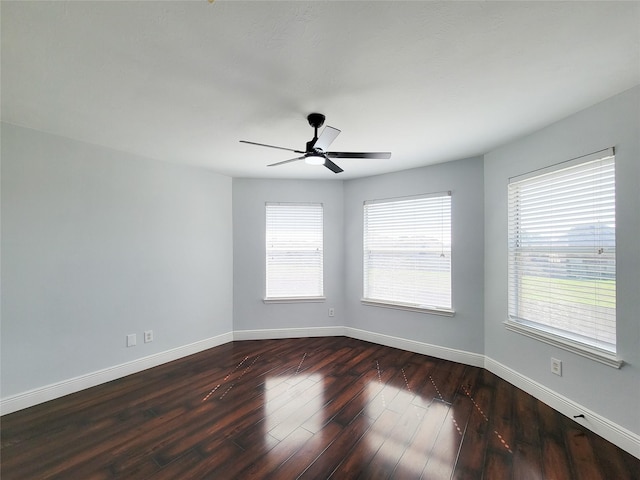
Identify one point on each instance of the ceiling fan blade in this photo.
(381, 155)
(326, 138)
(272, 146)
(286, 161)
(332, 166)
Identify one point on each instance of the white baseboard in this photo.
(72, 385)
(460, 356)
(454, 355)
(607, 429)
(274, 333)
(616, 434)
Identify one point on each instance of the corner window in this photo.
(294, 252)
(562, 254)
(407, 253)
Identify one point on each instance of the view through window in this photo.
(562, 251)
(407, 251)
(294, 250)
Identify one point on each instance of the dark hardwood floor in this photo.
(311, 408)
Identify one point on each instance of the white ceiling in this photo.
(429, 81)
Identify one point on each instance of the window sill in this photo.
(294, 300)
(410, 308)
(592, 353)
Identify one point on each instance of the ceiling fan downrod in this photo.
(316, 120)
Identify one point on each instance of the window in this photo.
(407, 252)
(294, 251)
(562, 255)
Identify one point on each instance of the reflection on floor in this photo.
(311, 408)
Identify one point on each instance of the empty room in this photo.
(328, 239)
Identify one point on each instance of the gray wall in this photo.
(465, 330)
(249, 197)
(97, 244)
(612, 393)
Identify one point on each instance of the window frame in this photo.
(292, 298)
(398, 304)
(567, 339)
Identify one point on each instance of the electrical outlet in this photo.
(556, 366)
(131, 340)
(332, 312)
(148, 336)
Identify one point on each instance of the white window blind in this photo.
(407, 251)
(294, 250)
(562, 251)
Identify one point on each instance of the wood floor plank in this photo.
(501, 418)
(306, 408)
(444, 454)
(527, 461)
(396, 443)
(555, 459)
(418, 451)
(473, 449)
(329, 459)
(356, 461)
(295, 465)
(613, 462)
(498, 464)
(277, 456)
(583, 458)
(339, 394)
(555, 462)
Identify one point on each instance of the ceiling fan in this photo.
(315, 152)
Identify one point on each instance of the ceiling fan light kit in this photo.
(315, 152)
(314, 159)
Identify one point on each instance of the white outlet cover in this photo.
(131, 340)
(148, 336)
(556, 366)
